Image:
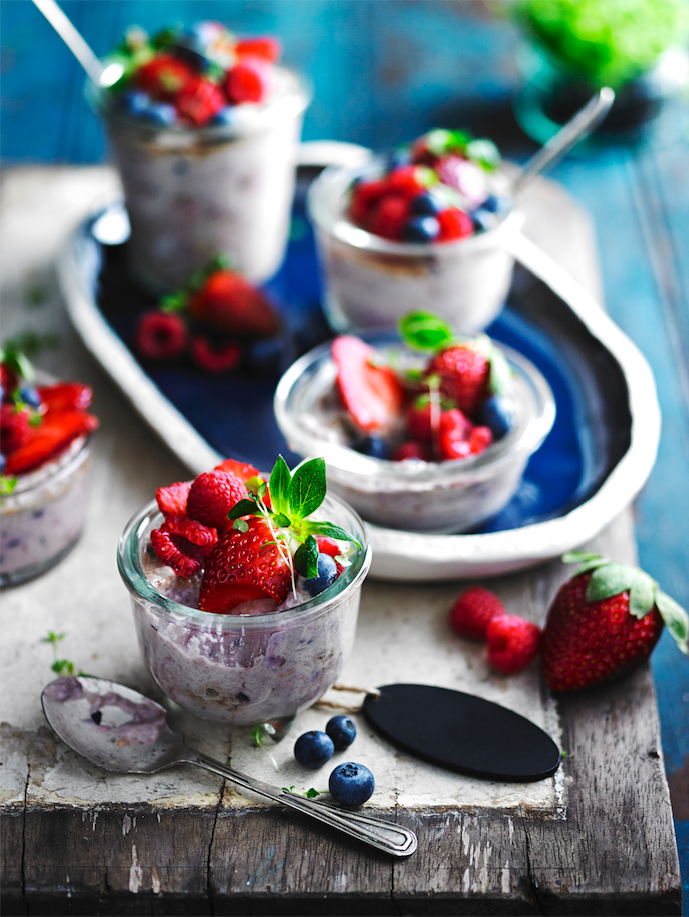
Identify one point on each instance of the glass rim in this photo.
(292, 104)
(326, 195)
(58, 476)
(344, 462)
(132, 574)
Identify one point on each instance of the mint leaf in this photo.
(240, 525)
(307, 488)
(424, 331)
(306, 558)
(245, 507)
(675, 618)
(7, 485)
(310, 793)
(280, 486)
(330, 530)
(484, 153)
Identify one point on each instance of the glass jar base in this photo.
(22, 575)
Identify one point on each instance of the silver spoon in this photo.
(571, 133)
(99, 74)
(123, 731)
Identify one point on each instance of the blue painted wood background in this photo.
(384, 71)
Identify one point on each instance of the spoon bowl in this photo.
(124, 731)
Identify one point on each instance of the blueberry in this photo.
(2, 462)
(190, 52)
(420, 229)
(351, 784)
(396, 159)
(29, 395)
(374, 446)
(161, 113)
(135, 102)
(341, 730)
(491, 203)
(226, 116)
(313, 749)
(327, 574)
(426, 204)
(482, 219)
(497, 414)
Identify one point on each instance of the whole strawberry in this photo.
(228, 302)
(604, 620)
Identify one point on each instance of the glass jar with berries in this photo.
(203, 127)
(428, 223)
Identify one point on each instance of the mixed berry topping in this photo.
(214, 321)
(454, 406)
(192, 77)
(37, 422)
(437, 189)
(250, 539)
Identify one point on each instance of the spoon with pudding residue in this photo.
(123, 731)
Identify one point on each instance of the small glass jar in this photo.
(43, 517)
(245, 669)
(413, 495)
(371, 282)
(195, 193)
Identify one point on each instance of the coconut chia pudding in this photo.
(204, 129)
(428, 223)
(430, 443)
(227, 626)
(45, 450)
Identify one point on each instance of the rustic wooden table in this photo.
(596, 838)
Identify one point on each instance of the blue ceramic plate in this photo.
(590, 466)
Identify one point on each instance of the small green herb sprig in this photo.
(294, 497)
(427, 332)
(311, 793)
(60, 666)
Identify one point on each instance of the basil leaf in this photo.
(307, 489)
(424, 331)
(280, 482)
(306, 558)
(330, 530)
(245, 507)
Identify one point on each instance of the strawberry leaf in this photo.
(424, 331)
(306, 558)
(609, 580)
(675, 618)
(280, 485)
(641, 595)
(307, 488)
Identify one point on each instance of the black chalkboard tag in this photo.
(462, 732)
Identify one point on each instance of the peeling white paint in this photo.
(135, 873)
(505, 879)
(126, 825)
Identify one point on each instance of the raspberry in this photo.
(164, 77)
(405, 180)
(214, 358)
(413, 450)
(14, 428)
(172, 500)
(512, 643)
(454, 224)
(212, 495)
(479, 440)
(199, 101)
(247, 81)
(464, 372)
(183, 544)
(365, 195)
(472, 611)
(389, 216)
(161, 336)
(453, 435)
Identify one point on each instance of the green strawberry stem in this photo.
(609, 579)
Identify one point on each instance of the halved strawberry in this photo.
(228, 302)
(56, 431)
(172, 500)
(373, 395)
(65, 396)
(242, 567)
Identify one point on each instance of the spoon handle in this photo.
(574, 130)
(74, 41)
(386, 836)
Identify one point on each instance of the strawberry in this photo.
(264, 47)
(164, 77)
(421, 420)
(212, 357)
(373, 395)
(512, 643)
(42, 443)
(14, 427)
(605, 619)
(454, 224)
(413, 450)
(244, 565)
(473, 610)
(229, 303)
(65, 396)
(199, 101)
(242, 470)
(464, 372)
(388, 216)
(172, 500)
(247, 81)
(212, 495)
(161, 335)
